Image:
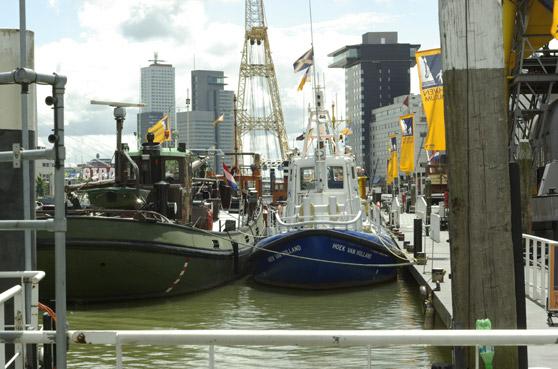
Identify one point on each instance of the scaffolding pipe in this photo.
(27, 76)
(31, 224)
(273, 337)
(60, 219)
(33, 154)
(28, 234)
(24, 76)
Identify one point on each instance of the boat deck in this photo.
(438, 256)
(219, 224)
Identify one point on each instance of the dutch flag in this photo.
(229, 177)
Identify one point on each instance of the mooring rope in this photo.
(388, 247)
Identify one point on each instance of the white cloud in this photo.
(116, 39)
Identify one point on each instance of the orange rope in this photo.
(48, 310)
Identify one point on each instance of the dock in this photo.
(438, 257)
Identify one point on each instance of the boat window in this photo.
(172, 171)
(353, 172)
(307, 179)
(335, 177)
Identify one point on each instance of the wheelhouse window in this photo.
(172, 171)
(335, 177)
(307, 178)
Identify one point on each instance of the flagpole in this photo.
(313, 58)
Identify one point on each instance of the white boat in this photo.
(324, 236)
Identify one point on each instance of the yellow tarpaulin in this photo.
(539, 28)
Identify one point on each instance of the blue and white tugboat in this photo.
(324, 235)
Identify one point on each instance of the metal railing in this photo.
(324, 338)
(536, 267)
(325, 220)
(20, 156)
(29, 280)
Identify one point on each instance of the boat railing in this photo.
(368, 339)
(28, 286)
(146, 215)
(353, 221)
(537, 276)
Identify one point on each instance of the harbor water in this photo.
(244, 305)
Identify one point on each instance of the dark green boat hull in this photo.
(110, 259)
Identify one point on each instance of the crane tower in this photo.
(259, 113)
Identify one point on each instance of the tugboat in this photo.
(325, 237)
(155, 231)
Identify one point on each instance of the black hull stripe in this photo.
(150, 247)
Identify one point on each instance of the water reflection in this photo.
(244, 305)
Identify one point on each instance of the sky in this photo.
(100, 45)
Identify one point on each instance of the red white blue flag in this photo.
(229, 177)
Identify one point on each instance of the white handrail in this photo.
(323, 338)
(312, 222)
(8, 294)
(536, 271)
(34, 275)
(326, 338)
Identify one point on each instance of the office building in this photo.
(385, 122)
(157, 94)
(201, 129)
(376, 71)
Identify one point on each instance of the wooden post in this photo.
(483, 284)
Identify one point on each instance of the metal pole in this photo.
(25, 144)
(211, 357)
(119, 359)
(27, 234)
(25, 136)
(60, 222)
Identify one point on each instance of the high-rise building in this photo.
(157, 93)
(201, 129)
(385, 121)
(376, 71)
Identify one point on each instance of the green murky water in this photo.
(243, 305)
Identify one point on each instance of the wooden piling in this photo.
(483, 284)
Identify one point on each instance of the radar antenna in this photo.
(119, 116)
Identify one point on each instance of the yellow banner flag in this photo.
(407, 160)
(159, 130)
(392, 169)
(429, 65)
(305, 78)
(389, 179)
(554, 27)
